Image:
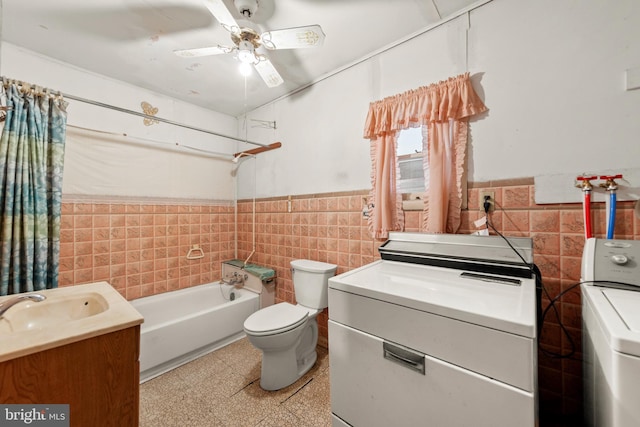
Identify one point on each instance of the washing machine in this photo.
(611, 332)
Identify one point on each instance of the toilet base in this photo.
(282, 368)
(277, 373)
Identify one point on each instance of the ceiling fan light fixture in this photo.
(245, 69)
(246, 53)
(246, 57)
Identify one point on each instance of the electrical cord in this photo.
(552, 305)
(540, 288)
(487, 206)
(557, 298)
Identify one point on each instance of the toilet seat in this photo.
(275, 319)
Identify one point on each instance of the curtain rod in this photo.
(146, 116)
(38, 89)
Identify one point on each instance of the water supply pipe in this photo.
(585, 185)
(611, 186)
(236, 160)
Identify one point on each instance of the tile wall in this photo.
(140, 248)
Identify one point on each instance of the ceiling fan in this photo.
(247, 40)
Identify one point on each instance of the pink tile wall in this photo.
(141, 248)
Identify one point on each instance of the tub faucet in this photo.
(235, 278)
(13, 301)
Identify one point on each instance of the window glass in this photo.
(410, 164)
(409, 141)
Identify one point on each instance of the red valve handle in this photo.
(610, 184)
(607, 177)
(586, 184)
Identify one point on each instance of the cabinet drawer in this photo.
(370, 390)
(496, 354)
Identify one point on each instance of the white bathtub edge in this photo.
(172, 364)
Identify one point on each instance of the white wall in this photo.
(551, 73)
(111, 164)
(553, 78)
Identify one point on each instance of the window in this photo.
(410, 164)
(451, 129)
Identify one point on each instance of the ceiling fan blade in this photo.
(203, 51)
(268, 73)
(222, 14)
(292, 38)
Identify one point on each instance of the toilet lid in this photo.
(275, 319)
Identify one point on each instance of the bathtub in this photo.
(180, 326)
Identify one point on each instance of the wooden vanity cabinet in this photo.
(98, 377)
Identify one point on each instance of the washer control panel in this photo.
(613, 261)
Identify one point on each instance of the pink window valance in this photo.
(444, 108)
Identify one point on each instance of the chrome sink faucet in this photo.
(13, 301)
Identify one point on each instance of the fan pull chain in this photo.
(245, 109)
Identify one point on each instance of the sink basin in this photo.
(5, 328)
(67, 315)
(32, 315)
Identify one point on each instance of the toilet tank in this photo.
(311, 282)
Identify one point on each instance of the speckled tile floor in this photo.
(222, 388)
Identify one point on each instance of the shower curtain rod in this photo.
(29, 86)
(146, 116)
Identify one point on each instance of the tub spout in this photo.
(13, 301)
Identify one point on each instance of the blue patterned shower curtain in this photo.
(31, 166)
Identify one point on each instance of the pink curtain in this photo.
(444, 108)
(387, 214)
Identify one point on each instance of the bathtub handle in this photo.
(195, 252)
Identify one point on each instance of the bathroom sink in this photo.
(5, 328)
(67, 315)
(54, 311)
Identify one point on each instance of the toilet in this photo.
(287, 334)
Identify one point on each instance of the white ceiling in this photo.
(134, 40)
